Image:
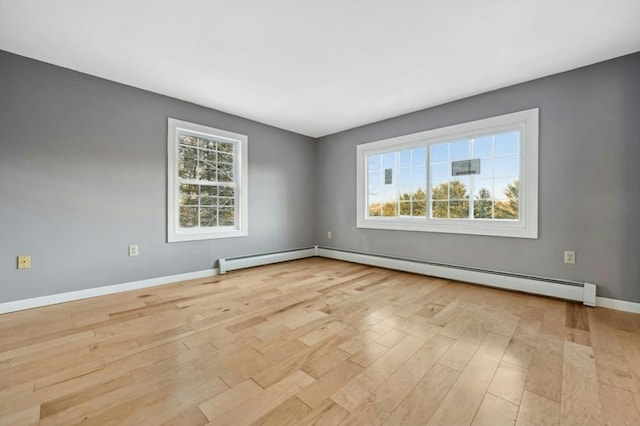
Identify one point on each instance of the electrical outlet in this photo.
(24, 262)
(133, 250)
(329, 234)
(570, 257)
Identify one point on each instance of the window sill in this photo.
(205, 236)
(512, 229)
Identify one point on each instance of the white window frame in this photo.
(527, 224)
(174, 232)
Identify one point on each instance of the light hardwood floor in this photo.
(324, 342)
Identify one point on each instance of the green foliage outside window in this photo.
(451, 200)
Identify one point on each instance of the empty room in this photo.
(319, 212)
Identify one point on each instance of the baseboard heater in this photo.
(240, 262)
(562, 289)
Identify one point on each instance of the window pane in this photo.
(419, 156)
(226, 191)
(375, 178)
(418, 194)
(404, 176)
(375, 189)
(440, 210)
(202, 142)
(458, 209)
(209, 144)
(405, 208)
(507, 166)
(486, 168)
(222, 201)
(226, 216)
(419, 208)
(389, 160)
(507, 205)
(459, 150)
(483, 207)
(458, 189)
(225, 147)
(209, 158)
(188, 217)
(225, 173)
(440, 172)
(505, 188)
(507, 143)
(439, 153)
(405, 158)
(483, 188)
(208, 195)
(187, 140)
(404, 192)
(506, 209)
(483, 147)
(207, 165)
(390, 209)
(419, 176)
(225, 158)
(187, 163)
(208, 216)
(374, 162)
(188, 195)
(483, 204)
(375, 209)
(440, 191)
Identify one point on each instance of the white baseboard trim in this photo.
(231, 264)
(585, 294)
(618, 305)
(245, 262)
(53, 299)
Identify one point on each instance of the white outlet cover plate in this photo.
(570, 257)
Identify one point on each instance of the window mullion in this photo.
(493, 177)
(449, 185)
(471, 181)
(427, 195)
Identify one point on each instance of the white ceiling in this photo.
(318, 67)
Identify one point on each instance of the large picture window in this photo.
(207, 182)
(479, 177)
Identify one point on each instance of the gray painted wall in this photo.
(589, 197)
(83, 175)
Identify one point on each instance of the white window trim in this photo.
(525, 227)
(174, 232)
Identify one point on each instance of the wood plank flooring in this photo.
(322, 342)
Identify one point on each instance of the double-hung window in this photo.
(207, 182)
(479, 177)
